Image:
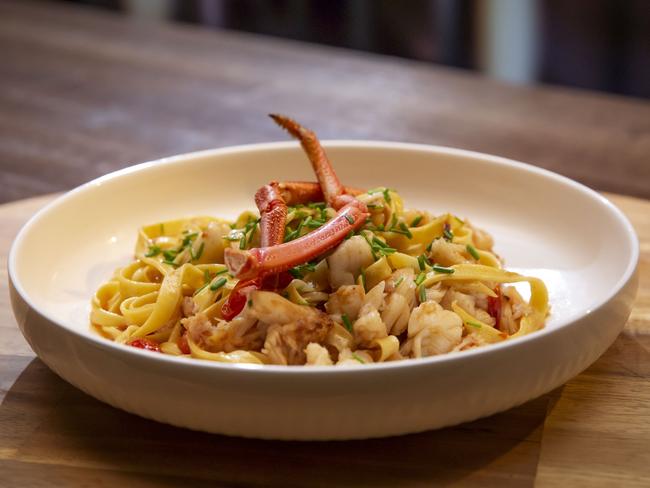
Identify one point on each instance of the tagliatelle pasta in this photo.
(405, 284)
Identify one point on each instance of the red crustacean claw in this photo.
(266, 267)
(269, 260)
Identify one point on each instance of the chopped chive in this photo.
(347, 323)
(374, 206)
(172, 263)
(459, 220)
(225, 270)
(404, 228)
(170, 254)
(393, 221)
(198, 253)
(242, 243)
(473, 324)
(295, 273)
(349, 218)
(316, 205)
(218, 284)
(422, 294)
(472, 250)
(398, 282)
(188, 239)
(429, 246)
(206, 276)
(449, 235)
(443, 269)
(358, 358)
(153, 251)
(199, 290)
(363, 279)
(421, 262)
(380, 228)
(314, 223)
(386, 195)
(416, 221)
(379, 242)
(420, 278)
(350, 234)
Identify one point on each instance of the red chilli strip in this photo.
(183, 345)
(237, 298)
(146, 344)
(494, 307)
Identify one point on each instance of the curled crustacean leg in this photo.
(272, 201)
(352, 213)
(266, 266)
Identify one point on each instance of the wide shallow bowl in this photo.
(544, 225)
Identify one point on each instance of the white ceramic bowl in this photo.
(544, 225)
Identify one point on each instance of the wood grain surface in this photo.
(83, 93)
(593, 431)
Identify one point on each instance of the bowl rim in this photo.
(374, 368)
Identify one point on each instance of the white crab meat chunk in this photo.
(347, 261)
(317, 355)
(433, 330)
(291, 327)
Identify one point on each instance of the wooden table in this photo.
(595, 430)
(83, 93)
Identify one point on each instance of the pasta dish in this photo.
(322, 274)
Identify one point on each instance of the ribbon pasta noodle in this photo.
(407, 284)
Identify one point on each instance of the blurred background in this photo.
(595, 44)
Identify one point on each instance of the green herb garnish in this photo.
(153, 251)
(346, 322)
(386, 195)
(472, 250)
(473, 324)
(349, 218)
(363, 279)
(198, 253)
(422, 293)
(406, 230)
(449, 235)
(218, 284)
(354, 355)
(422, 262)
(420, 278)
(443, 269)
(170, 254)
(416, 221)
(398, 282)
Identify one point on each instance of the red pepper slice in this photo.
(237, 298)
(183, 345)
(146, 344)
